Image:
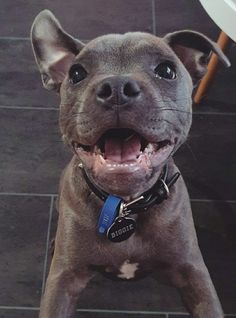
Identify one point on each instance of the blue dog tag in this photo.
(108, 213)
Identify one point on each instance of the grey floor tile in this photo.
(216, 222)
(219, 254)
(52, 235)
(84, 18)
(218, 217)
(210, 106)
(23, 229)
(184, 14)
(207, 159)
(32, 155)
(10, 313)
(20, 80)
(143, 295)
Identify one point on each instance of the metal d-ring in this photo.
(165, 187)
(121, 210)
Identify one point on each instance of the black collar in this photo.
(157, 194)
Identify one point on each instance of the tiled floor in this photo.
(32, 157)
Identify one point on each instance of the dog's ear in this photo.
(53, 48)
(194, 50)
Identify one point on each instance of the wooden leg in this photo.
(223, 40)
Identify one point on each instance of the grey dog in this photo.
(124, 209)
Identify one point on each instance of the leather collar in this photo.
(156, 195)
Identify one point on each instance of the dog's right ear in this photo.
(53, 48)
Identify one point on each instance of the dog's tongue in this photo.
(121, 150)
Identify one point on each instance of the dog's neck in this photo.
(155, 195)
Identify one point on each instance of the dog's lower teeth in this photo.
(97, 150)
(102, 159)
(149, 148)
(75, 145)
(120, 165)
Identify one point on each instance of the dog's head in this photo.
(125, 99)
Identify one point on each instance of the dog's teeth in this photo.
(75, 145)
(149, 148)
(102, 159)
(97, 150)
(120, 165)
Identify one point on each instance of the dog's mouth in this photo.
(123, 150)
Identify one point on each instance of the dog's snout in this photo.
(118, 90)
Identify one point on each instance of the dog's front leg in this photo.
(197, 290)
(62, 292)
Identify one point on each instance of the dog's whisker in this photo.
(176, 110)
(191, 151)
(168, 122)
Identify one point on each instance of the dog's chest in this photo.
(129, 270)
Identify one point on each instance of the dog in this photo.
(124, 209)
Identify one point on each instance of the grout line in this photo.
(154, 31)
(214, 113)
(18, 308)
(47, 244)
(22, 38)
(178, 313)
(110, 311)
(28, 194)
(131, 312)
(213, 200)
(29, 108)
(14, 38)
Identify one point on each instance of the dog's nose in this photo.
(118, 90)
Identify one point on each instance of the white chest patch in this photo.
(127, 270)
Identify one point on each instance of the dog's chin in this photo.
(125, 164)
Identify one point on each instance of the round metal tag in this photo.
(121, 229)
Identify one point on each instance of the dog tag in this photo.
(121, 229)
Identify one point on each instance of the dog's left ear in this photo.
(194, 50)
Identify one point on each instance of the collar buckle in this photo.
(126, 205)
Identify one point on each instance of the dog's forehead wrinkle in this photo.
(126, 45)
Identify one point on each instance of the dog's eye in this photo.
(77, 73)
(165, 70)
